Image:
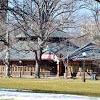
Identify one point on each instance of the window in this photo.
(28, 68)
(3, 68)
(25, 69)
(15, 68)
(18, 68)
(12, 68)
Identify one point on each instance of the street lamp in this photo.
(20, 67)
(83, 67)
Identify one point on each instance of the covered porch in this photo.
(90, 62)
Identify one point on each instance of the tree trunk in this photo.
(7, 57)
(8, 70)
(37, 65)
(37, 69)
(7, 63)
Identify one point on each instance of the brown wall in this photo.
(48, 68)
(27, 68)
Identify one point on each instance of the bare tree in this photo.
(41, 18)
(94, 8)
(3, 35)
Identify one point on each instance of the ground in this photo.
(56, 85)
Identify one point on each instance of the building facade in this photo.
(21, 51)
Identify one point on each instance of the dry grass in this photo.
(69, 86)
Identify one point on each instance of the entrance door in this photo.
(61, 69)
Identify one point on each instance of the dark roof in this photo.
(18, 55)
(24, 49)
(64, 48)
(82, 40)
(60, 33)
(20, 50)
(91, 49)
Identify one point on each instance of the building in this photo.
(92, 60)
(22, 57)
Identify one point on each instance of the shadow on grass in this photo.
(62, 92)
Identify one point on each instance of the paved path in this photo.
(12, 95)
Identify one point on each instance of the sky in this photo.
(80, 16)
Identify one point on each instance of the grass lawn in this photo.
(67, 86)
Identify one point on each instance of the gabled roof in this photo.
(23, 50)
(82, 39)
(18, 55)
(63, 48)
(91, 49)
(19, 51)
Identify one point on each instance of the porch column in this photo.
(69, 71)
(79, 73)
(66, 64)
(58, 68)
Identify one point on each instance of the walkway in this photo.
(13, 95)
